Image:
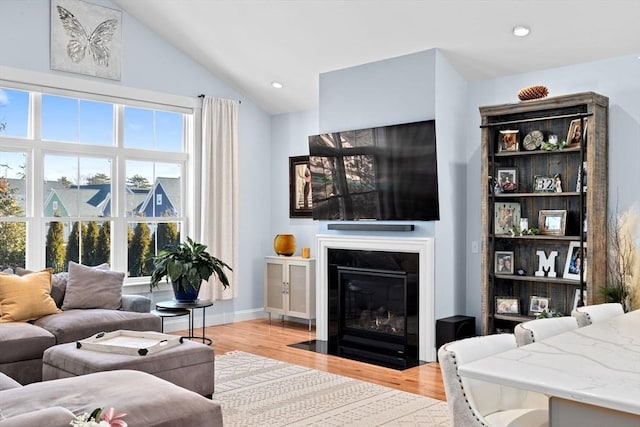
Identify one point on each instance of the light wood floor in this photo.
(271, 340)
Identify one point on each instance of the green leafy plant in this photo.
(546, 314)
(187, 264)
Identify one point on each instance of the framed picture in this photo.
(538, 304)
(576, 133)
(507, 305)
(299, 187)
(546, 183)
(508, 140)
(503, 262)
(508, 179)
(506, 215)
(552, 222)
(86, 39)
(576, 298)
(576, 261)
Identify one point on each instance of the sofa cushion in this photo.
(6, 383)
(23, 341)
(148, 401)
(73, 325)
(58, 283)
(24, 298)
(50, 417)
(89, 287)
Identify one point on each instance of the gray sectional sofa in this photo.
(23, 343)
(147, 400)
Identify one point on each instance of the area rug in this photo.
(258, 391)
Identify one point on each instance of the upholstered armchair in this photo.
(475, 403)
(539, 329)
(589, 314)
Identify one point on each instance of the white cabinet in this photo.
(290, 287)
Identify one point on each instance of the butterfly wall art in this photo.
(86, 39)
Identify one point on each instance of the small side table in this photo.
(170, 313)
(191, 307)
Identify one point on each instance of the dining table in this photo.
(590, 374)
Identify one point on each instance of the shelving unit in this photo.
(586, 206)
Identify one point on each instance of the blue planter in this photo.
(188, 295)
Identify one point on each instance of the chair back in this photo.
(589, 314)
(471, 401)
(539, 329)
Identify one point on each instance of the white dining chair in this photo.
(588, 314)
(475, 403)
(539, 329)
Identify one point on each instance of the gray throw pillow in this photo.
(89, 287)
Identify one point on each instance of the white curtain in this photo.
(219, 196)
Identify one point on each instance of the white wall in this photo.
(152, 64)
(289, 137)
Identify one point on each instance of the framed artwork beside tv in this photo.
(299, 187)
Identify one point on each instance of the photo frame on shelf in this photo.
(507, 305)
(576, 298)
(539, 304)
(299, 187)
(552, 222)
(506, 216)
(576, 133)
(509, 141)
(576, 261)
(508, 179)
(504, 262)
(581, 183)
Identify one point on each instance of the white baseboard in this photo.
(213, 319)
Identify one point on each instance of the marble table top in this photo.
(598, 364)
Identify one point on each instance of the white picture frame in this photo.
(576, 298)
(506, 216)
(86, 39)
(575, 261)
(539, 304)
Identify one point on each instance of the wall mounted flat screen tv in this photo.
(381, 173)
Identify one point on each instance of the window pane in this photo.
(153, 189)
(77, 187)
(13, 236)
(12, 185)
(85, 242)
(59, 118)
(96, 123)
(145, 240)
(153, 129)
(168, 131)
(138, 128)
(14, 113)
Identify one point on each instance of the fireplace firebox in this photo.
(373, 306)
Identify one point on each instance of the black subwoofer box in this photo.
(454, 328)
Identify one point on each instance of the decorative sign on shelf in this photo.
(546, 264)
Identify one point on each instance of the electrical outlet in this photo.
(475, 248)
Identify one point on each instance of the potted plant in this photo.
(186, 265)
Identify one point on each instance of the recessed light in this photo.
(277, 85)
(521, 31)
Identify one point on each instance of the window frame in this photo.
(37, 149)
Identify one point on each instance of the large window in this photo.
(89, 179)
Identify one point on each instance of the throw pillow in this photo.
(89, 287)
(25, 298)
(59, 282)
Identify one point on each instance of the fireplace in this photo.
(374, 298)
(376, 310)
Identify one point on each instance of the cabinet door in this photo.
(274, 287)
(298, 289)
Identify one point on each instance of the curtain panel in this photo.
(219, 195)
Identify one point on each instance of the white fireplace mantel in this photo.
(423, 246)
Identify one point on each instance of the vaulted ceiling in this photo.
(250, 43)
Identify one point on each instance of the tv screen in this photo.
(381, 173)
